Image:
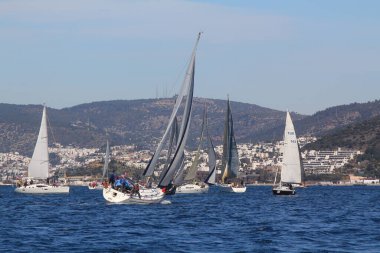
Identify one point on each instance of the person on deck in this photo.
(118, 184)
(112, 179)
(105, 184)
(122, 182)
(136, 190)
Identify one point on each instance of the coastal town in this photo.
(259, 162)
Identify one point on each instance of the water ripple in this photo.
(317, 219)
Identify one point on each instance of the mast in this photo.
(39, 165)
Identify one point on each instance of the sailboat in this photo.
(291, 168)
(98, 185)
(38, 168)
(230, 159)
(175, 161)
(171, 175)
(193, 186)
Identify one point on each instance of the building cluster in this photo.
(253, 158)
(326, 162)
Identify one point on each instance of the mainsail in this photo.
(230, 159)
(39, 165)
(172, 145)
(291, 171)
(177, 161)
(192, 172)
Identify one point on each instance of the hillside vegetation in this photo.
(364, 136)
(142, 122)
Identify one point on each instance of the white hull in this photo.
(192, 188)
(42, 189)
(96, 187)
(148, 196)
(231, 188)
(298, 186)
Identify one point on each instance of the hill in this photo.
(364, 136)
(329, 120)
(142, 122)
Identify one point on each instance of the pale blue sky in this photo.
(300, 55)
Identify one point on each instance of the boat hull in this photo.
(231, 188)
(96, 187)
(42, 189)
(283, 190)
(192, 188)
(171, 191)
(148, 196)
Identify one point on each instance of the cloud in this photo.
(141, 19)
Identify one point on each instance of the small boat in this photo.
(232, 188)
(147, 196)
(38, 169)
(230, 159)
(301, 186)
(40, 188)
(193, 188)
(291, 168)
(95, 186)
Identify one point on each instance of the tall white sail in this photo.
(39, 165)
(291, 171)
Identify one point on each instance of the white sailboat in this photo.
(201, 187)
(38, 168)
(230, 159)
(291, 168)
(175, 159)
(98, 185)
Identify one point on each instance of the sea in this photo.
(316, 219)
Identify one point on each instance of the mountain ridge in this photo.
(142, 122)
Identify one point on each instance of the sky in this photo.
(300, 55)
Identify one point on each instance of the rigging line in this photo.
(174, 84)
(52, 134)
(186, 63)
(51, 128)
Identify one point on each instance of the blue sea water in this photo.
(316, 219)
